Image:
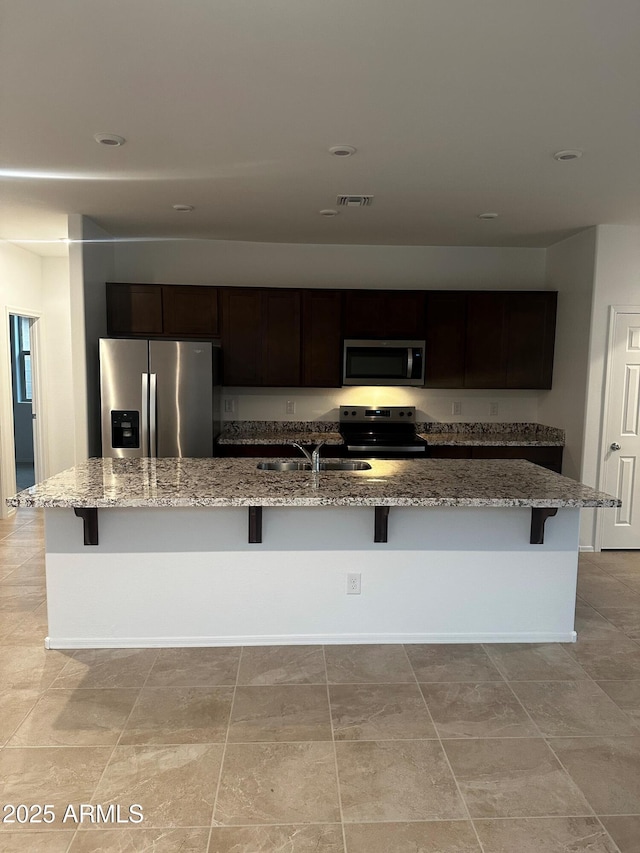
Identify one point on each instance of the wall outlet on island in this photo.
(353, 583)
(456, 408)
(290, 407)
(493, 409)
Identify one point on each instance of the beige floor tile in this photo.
(626, 618)
(172, 715)
(561, 708)
(283, 712)
(379, 711)
(16, 555)
(9, 622)
(26, 536)
(544, 835)
(50, 775)
(625, 831)
(282, 665)
(76, 718)
(626, 695)
(28, 574)
(30, 628)
(30, 666)
(513, 778)
(534, 662)
(107, 668)
(396, 781)
(20, 599)
(35, 842)
(175, 785)
(590, 624)
(136, 840)
(194, 668)
(487, 709)
(607, 771)
(15, 704)
(603, 590)
(611, 658)
(461, 662)
(416, 837)
(362, 664)
(293, 838)
(278, 783)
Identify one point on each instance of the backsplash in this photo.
(323, 404)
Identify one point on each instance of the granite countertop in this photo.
(470, 434)
(238, 482)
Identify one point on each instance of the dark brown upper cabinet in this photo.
(384, 314)
(485, 364)
(134, 309)
(190, 310)
(261, 335)
(242, 336)
(531, 330)
(321, 338)
(167, 310)
(446, 312)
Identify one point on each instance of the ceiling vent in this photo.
(354, 200)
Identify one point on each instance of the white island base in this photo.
(189, 577)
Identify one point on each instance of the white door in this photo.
(621, 527)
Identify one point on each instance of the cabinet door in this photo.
(384, 314)
(485, 344)
(281, 337)
(242, 336)
(321, 338)
(445, 313)
(548, 457)
(190, 311)
(531, 324)
(134, 309)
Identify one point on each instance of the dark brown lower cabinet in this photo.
(547, 457)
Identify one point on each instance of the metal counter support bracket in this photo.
(538, 518)
(381, 524)
(255, 524)
(89, 516)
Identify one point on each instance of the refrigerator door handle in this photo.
(144, 440)
(153, 414)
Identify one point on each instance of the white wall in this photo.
(616, 282)
(570, 271)
(91, 261)
(39, 287)
(229, 262)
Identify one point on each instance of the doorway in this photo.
(22, 382)
(621, 438)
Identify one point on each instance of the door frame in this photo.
(39, 403)
(614, 311)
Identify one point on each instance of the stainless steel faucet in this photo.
(313, 457)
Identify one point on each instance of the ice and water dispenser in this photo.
(125, 429)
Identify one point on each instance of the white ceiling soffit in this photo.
(455, 107)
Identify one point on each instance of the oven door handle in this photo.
(394, 448)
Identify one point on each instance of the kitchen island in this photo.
(205, 552)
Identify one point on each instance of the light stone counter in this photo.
(231, 482)
(179, 552)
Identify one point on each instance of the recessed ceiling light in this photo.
(568, 154)
(109, 139)
(328, 212)
(342, 150)
(183, 208)
(487, 216)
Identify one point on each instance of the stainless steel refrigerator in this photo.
(159, 398)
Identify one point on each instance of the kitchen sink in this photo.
(326, 465)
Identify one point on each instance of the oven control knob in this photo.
(346, 414)
(408, 414)
(354, 414)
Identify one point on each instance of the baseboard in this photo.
(586, 548)
(300, 640)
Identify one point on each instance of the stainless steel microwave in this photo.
(371, 362)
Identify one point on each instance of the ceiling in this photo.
(455, 107)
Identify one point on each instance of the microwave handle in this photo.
(409, 362)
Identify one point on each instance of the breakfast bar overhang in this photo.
(212, 552)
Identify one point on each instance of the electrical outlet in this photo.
(290, 407)
(493, 409)
(353, 583)
(229, 405)
(456, 408)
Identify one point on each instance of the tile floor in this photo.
(341, 749)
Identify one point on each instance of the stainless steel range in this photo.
(388, 432)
